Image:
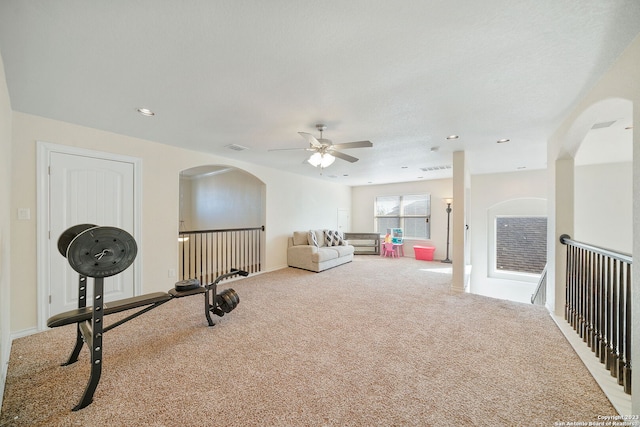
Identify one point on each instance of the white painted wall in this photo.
(5, 226)
(362, 210)
(603, 208)
(230, 199)
(292, 203)
(635, 304)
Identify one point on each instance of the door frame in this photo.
(348, 214)
(43, 151)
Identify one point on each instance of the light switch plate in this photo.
(24, 214)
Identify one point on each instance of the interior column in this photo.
(458, 223)
(564, 219)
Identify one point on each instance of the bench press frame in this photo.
(91, 330)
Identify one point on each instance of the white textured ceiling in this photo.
(402, 74)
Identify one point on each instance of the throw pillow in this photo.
(333, 238)
(328, 237)
(313, 240)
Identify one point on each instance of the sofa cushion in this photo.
(324, 254)
(343, 250)
(300, 238)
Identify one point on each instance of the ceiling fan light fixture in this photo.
(315, 159)
(321, 159)
(327, 160)
(324, 151)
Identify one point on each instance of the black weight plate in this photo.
(102, 251)
(228, 296)
(228, 303)
(187, 285)
(69, 234)
(234, 296)
(222, 305)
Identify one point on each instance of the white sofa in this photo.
(303, 253)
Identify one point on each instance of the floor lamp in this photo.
(448, 202)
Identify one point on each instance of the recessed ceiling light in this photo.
(503, 140)
(404, 167)
(345, 174)
(434, 149)
(145, 112)
(453, 137)
(628, 127)
(521, 167)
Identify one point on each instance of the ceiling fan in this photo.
(325, 151)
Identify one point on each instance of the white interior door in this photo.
(87, 190)
(343, 220)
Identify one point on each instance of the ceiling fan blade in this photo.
(310, 139)
(288, 149)
(343, 156)
(355, 144)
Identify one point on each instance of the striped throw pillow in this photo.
(313, 240)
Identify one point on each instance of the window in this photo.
(521, 244)
(409, 212)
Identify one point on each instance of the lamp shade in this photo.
(327, 160)
(315, 159)
(448, 200)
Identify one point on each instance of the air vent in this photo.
(602, 125)
(435, 168)
(236, 147)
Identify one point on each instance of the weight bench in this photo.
(100, 252)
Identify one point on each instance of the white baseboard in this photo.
(273, 269)
(609, 385)
(7, 354)
(5, 366)
(24, 333)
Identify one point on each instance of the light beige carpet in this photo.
(377, 342)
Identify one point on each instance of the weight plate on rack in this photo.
(69, 234)
(102, 251)
(234, 296)
(226, 302)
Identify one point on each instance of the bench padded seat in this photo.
(82, 314)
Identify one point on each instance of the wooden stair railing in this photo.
(539, 296)
(598, 304)
(207, 254)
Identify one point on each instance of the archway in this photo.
(593, 171)
(587, 134)
(603, 177)
(221, 221)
